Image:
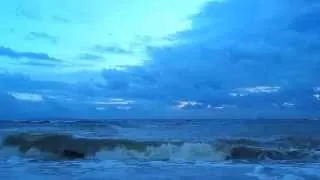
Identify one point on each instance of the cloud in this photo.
(60, 19)
(114, 101)
(41, 64)
(17, 82)
(35, 15)
(32, 15)
(42, 36)
(26, 96)
(316, 89)
(233, 49)
(10, 53)
(90, 56)
(250, 58)
(288, 104)
(255, 90)
(189, 104)
(317, 96)
(23, 107)
(110, 49)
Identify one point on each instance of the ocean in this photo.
(261, 149)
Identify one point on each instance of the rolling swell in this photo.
(69, 147)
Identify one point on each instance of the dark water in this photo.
(160, 149)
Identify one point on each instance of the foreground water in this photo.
(161, 149)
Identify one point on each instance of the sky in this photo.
(159, 59)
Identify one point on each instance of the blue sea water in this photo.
(161, 149)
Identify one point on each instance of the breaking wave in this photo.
(69, 147)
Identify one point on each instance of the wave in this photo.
(74, 123)
(69, 147)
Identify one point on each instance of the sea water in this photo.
(160, 149)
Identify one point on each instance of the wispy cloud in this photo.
(60, 19)
(8, 52)
(36, 16)
(26, 96)
(90, 56)
(42, 36)
(41, 64)
(110, 49)
(189, 104)
(258, 89)
(32, 15)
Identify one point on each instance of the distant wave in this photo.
(35, 122)
(66, 146)
(73, 122)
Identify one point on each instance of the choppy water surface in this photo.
(160, 149)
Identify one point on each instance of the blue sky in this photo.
(148, 59)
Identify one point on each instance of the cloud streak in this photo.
(11, 53)
(31, 15)
(61, 19)
(110, 49)
(90, 57)
(42, 36)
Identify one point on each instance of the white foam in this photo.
(311, 171)
(291, 177)
(260, 172)
(285, 172)
(33, 153)
(185, 152)
(9, 151)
